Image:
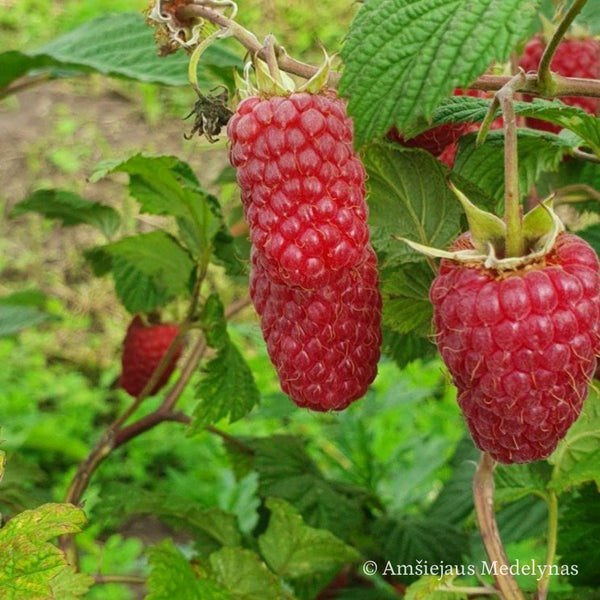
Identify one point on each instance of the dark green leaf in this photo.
(70, 209)
(227, 388)
(579, 532)
(455, 501)
(402, 57)
(292, 549)
(404, 348)
(286, 471)
(149, 270)
(409, 197)
(413, 540)
(484, 166)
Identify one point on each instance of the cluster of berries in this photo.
(574, 57)
(314, 279)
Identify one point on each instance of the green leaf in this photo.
(14, 318)
(409, 197)
(120, 45)
(413, 540)
(71, 209)
(244, 575)
(484, 166)
(149, 270)
(172, 577)
(578, 535)
(514, 482)
(292, 549)
(32, 568)
(405, 291)
(431, 587)
(457, 109)
(454, 503)
(404, 348)
(577, 458)
(286, 471)
(227, 388)
(165, 185)
(402, 57)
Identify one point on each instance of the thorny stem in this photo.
(552, 501)
(116, 435)
(546, 81)
(483, 494)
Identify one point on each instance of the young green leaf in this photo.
(71, 209)
(227, 388)
(402, 57)
(409, 198)
(292, 549)
(30, 566)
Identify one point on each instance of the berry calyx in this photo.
(143, 349)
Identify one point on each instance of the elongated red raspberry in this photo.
(302, 185)
(573, 58)
(520, 345)
(143, 349)
(324, 343)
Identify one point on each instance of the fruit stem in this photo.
(513, 212)
(483, 494)
(552, 501)
(546, 83)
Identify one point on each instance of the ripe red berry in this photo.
(143, 349)
(302, 185)
(573, 58)
(325, 342)
(520, 345)
(442, 141)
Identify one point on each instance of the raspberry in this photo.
(442, 141)
(325, 342)
(302, 185)
(143, 349)
(520, 345)
(573, 58)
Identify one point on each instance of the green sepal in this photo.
(541, 225)
(486, 228)
(319, 80)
